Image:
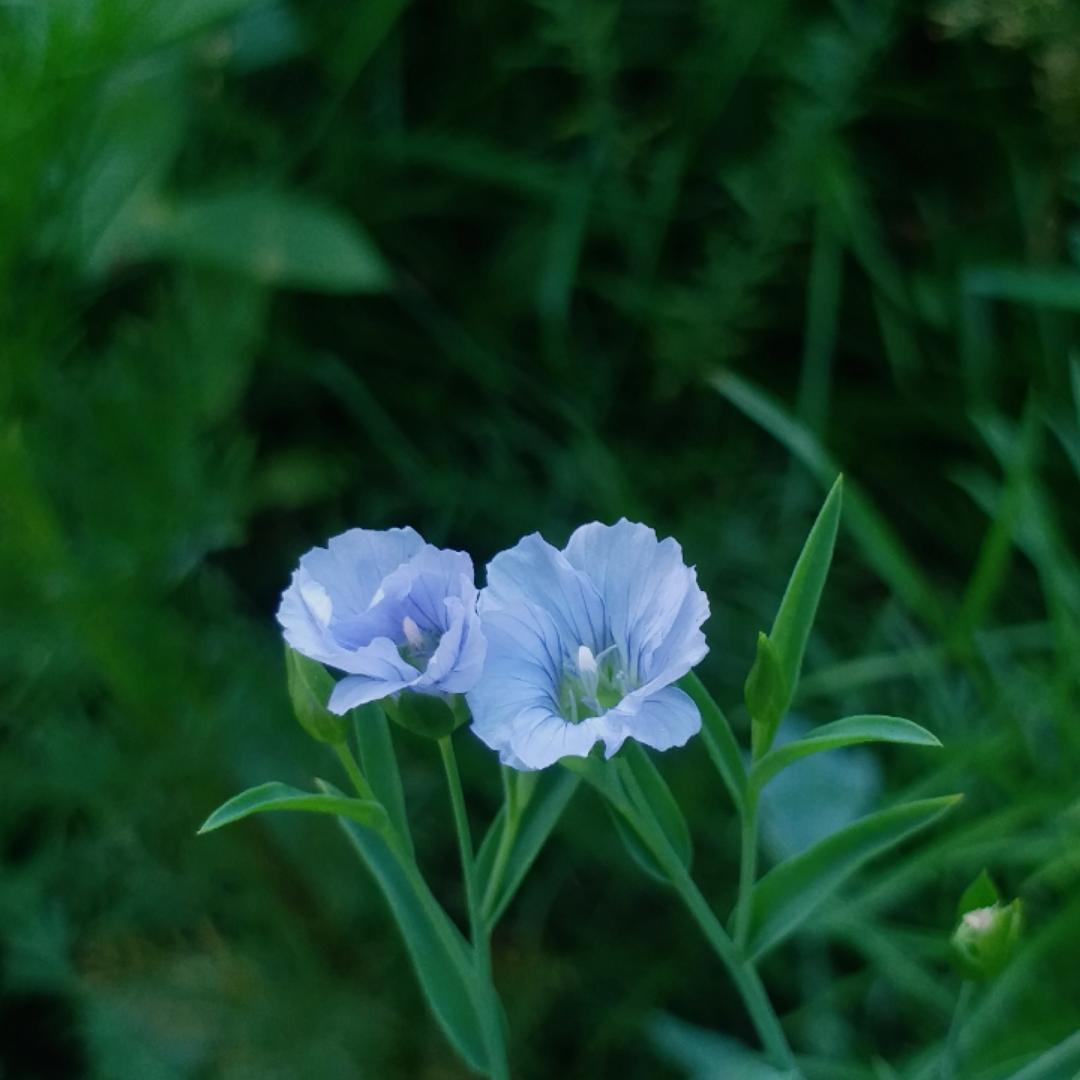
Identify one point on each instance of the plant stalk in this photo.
(487, 999)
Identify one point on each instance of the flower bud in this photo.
(766, 694)
(986, 938)
(428, 715)
(310, 686)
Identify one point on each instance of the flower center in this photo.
(590, 685)
(417, 646)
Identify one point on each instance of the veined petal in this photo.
(353, 565)
(392, 612)
(458, 660)
(651, 597)
(583, 646)
(533, 573)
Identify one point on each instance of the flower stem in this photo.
(487, 999)
(741, 969)
(747, 866)
(352, 768)
(506, 845)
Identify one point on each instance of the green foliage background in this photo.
(270, 269)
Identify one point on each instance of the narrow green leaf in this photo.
(795, 617)
(537, 821)
(719, 739)
(791, 892)
(273, 237)
(277, 796)
(310, 686)
(651, 796)
(847, 732)
(440, 955)
(380, 766)
(704, 1054)
(1057, 1063)
(981, 893)
(641, 825)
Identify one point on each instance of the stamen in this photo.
(587, 668)
(412, 633)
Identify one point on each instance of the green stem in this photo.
(951, 1056)
(506, 845)
(487, 999)
(747, 866)
(741, 970)
(356, 777)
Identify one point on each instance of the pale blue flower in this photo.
(585, 643)
(390, 611)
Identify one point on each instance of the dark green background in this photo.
(269, 270)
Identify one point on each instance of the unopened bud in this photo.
(987, 935)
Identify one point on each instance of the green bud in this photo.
(766, 695)
(429, 715)
(310, 685)
(988, 933)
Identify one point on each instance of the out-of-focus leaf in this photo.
(982, 892)
(1060, 1063)
(273, 237)
(790, 893)
(708, 1055)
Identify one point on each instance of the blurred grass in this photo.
(268, 270)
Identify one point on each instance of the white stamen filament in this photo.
(588, 670)
(412, 632)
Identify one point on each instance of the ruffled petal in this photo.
(651, 597)
(354, 564)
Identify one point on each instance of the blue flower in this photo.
(390, 611)
(584, 644)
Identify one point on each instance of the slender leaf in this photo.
(707, 1055)
(847, 732)
(537, 821)
(1062, 1062)
(790, 893)
(276, 796)
(380, 766)
(982, 892)
(719, 739)
(794, 620)
(651, 795)
(440, 955)
(640, 825)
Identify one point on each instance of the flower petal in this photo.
(665, 719)
(651, 597)
(533, 573)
